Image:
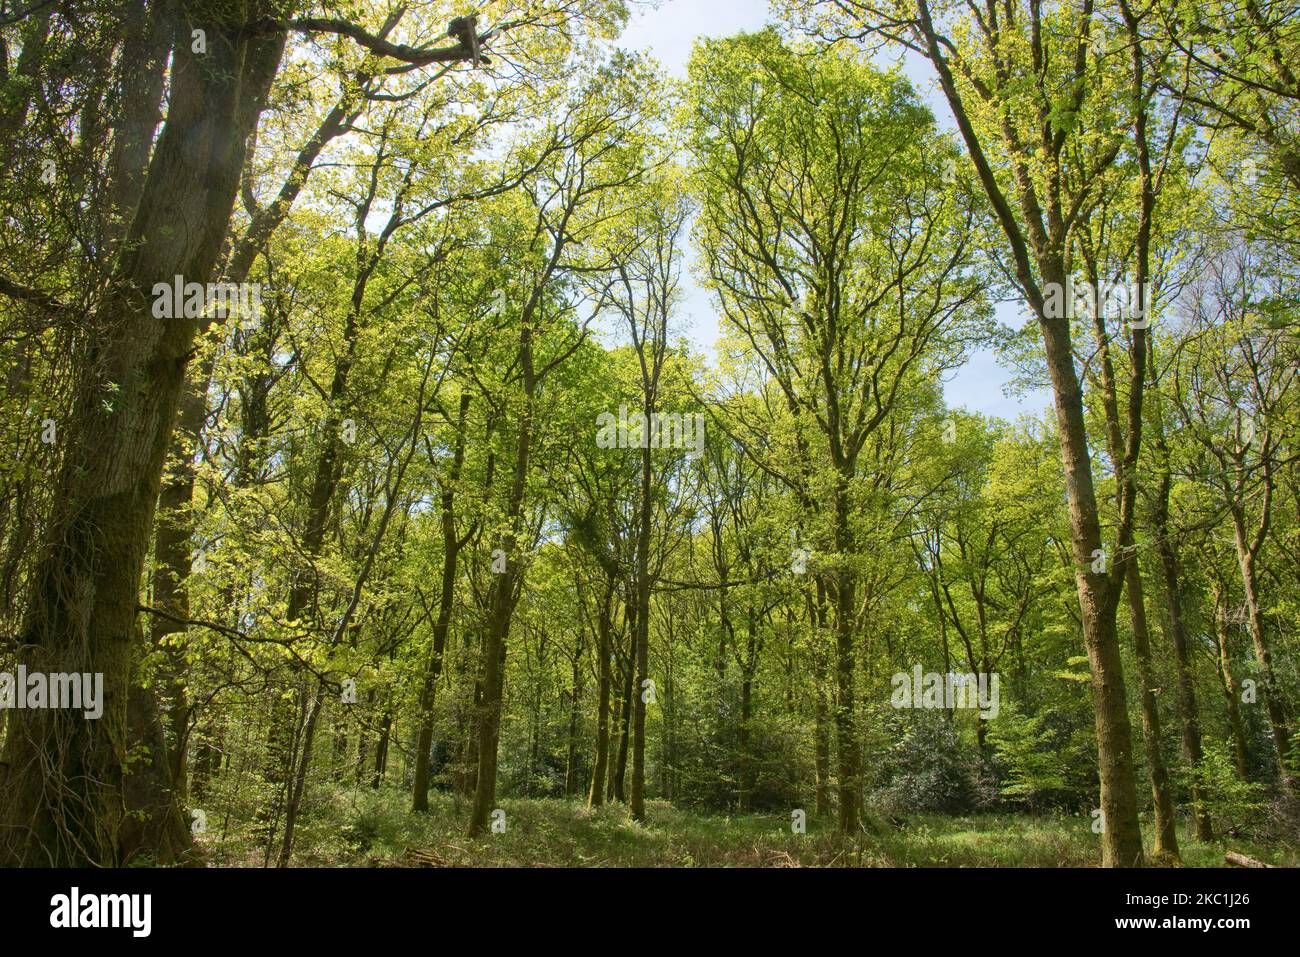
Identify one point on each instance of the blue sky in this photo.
(667, 31)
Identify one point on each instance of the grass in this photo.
(377, 829)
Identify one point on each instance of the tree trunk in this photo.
(641, 633)
(1121, 836)
(468, 774)
(745, 787)
(299, 782)
(1123, 452)
(575, 715)
(1190, 722)
(63, 786)
(850, 783)
(502, 595)
(26, 76)
(617, 790)
(604, 652)
(172, 556)
(1171, 575)
(1272, 694)
(1166, 837)
(381, 750)
(821, 712)
(156, 829)
(1228, 682)
(433, 669)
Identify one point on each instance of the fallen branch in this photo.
(1233, 859)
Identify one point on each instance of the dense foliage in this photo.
(447, 508)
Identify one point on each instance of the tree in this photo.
(65, 775)
(1036, 116)
(800, 164)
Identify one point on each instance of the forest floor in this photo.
(377, 829)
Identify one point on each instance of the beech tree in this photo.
(795, 203)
